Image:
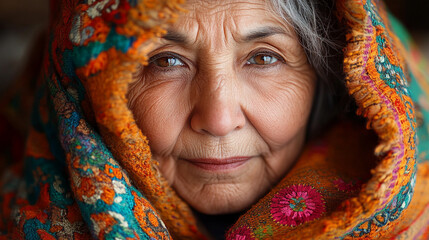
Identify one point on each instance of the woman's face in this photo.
(224, 103)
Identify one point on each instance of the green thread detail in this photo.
(264, 231)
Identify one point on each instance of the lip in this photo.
(218, 164)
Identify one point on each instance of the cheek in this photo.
(160, 111)
(279, 109)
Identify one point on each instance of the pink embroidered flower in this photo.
(242, 233)
(297, 204)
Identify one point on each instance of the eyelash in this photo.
(168, 55)
(258, 52)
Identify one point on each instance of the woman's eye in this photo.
(167, 61)
(262, 59)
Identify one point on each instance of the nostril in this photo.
(205, 132)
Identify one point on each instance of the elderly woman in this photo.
(236, 119)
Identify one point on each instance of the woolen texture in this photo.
(87, 169)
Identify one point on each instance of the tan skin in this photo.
(224, 102)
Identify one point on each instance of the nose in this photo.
(217, 110)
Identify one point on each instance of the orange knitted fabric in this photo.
(88, 171)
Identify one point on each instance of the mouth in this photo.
(218, 164)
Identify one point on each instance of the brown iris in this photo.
(167, 62)
(262, 59)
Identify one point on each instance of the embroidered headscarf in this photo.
(88, 171)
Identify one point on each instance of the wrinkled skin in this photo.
(229, 83)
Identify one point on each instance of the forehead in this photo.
(217, 6)
(227, 17)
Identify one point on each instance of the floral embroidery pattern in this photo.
(297, 204)
(242, 233)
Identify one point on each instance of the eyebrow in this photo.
(176, 37)
(263, 32)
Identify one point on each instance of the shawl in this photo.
(85, 169)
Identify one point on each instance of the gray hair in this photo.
(317, 28)
(323, 39)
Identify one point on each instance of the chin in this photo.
(225, 199)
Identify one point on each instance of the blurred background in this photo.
(22, 20)
(415, 16)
